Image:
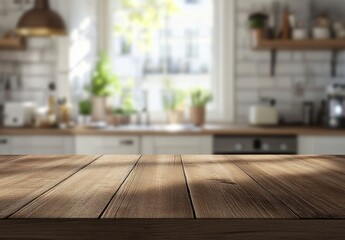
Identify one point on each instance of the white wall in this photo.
(252, 76)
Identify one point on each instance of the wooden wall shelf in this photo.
(12, 43)
(333, 45)
(301, 45)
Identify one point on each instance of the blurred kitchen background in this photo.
(172, 77)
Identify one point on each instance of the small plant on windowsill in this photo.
(122, 115)
(199, 100)
(103, 85)
(174, 103)
(85, 110)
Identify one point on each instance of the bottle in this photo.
(322, 113)
(308, 113)
(51, 114)
(286, 27)
(51, 99)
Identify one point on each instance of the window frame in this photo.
(223, 73)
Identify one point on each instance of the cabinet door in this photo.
(42, 145)
(5, 145)
(322, 145)
(177, 145)
(107, 145)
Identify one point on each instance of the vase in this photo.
(257, 35)
(198, 116)
(99, 109)
(176, 117)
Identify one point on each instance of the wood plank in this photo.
(156, 188)
(308, 44)
(85, 194)
(6, 159)
(219, 189)
(311, 191)
(335, 163)
(16, 43)
(27, 178)
(244, 229)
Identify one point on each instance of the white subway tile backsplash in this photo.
(244, 38)
(49, 55)
(40, 43)
(324, 56)
(257, 83)
(40, 69)
(290, 69)
(37, 97)
(249, 55)
(35, 82)
(247, 96)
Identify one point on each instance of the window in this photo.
(158, 42)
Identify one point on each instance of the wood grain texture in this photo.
(158, 229)
(220, 189)
(308, 44)
(156, 188)
(310, 190)
(7, 159)
(85, 194)
(27, 178)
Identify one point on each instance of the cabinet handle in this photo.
(3, 141)
(127, 142)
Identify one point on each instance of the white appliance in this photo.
(18, 114)
(264, 114)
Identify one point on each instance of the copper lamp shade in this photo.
(41, 21)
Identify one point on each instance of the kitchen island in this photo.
(172, 197)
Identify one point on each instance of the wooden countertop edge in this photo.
(230, 131)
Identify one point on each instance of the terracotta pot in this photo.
(257, 35)
(99, 109)
(176, 117)
(122, 119)
(198, 116)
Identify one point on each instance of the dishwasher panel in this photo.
(255, 145)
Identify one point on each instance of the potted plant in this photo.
(103, 85)
(174, 103)
(199, 99)
(258, 23)
(122, 115)
(85, 111)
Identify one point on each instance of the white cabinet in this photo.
(5, 145)
(202, 145)
(321, 145)
(41, 145)
(109, 145)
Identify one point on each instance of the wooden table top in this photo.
(235, 187)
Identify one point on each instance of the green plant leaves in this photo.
(200, 97)
(104, 83)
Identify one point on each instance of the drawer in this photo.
(51, 141)
(42, 145)
(107, 145)
(187, 145)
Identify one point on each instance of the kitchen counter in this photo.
(172, 197)
(180, 130)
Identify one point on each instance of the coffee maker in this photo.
(336, 106)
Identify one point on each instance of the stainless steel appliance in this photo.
(255, 145)
(336, 106)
